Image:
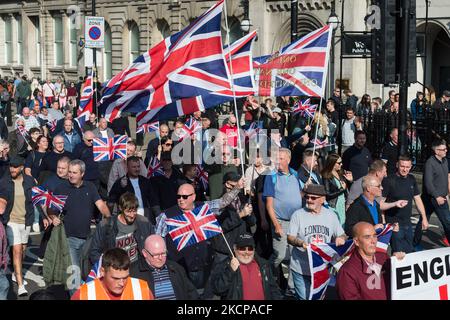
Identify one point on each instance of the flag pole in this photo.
(241, 150)
(324, 79)
(229, 248)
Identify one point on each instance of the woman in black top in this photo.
(34, 159)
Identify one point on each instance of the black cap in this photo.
(244, 240)
(16, 161)
(231, 176)
(446, 93)
(315, 189)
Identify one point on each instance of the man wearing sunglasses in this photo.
(245, 276)
(312, 224)
(196, 258)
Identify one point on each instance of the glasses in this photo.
(157, 255)
(89, 140)
(184, 196)
(311, 197)
(445, 149)
(246, 248)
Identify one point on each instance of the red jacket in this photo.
(356, 282)
(231, 133)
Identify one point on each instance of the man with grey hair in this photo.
(282, 194)
(102, 131)
(50, 160)
(82, 198)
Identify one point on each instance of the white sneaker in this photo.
(36, 227)
(22, 291)
(13, 278)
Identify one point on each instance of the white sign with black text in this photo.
(423, 275)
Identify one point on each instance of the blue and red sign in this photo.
(95, 33)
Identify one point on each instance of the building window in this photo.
(37, 41)
(73, 46)
(8, 41)
(134, 42)
(107, 51)
(58, 31)
(19, 41)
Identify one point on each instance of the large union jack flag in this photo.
(193, 227)
(154, 168)
(323, 256)
(186, 64)
(86, 99)
(44, 197)
(110, 148)
(83, 118)
(299, 69)
(239, 57)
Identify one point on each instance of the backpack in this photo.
(5, 95)
(85, 262)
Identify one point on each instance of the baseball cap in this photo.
(16, 161)
(244, 240)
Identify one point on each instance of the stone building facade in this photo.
(41, 37)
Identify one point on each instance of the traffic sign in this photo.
(94, 32)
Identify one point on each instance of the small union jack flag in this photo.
(149, 127)
(95, 271)
(52, 125)
(304, 108)
(319, 144)
(83, 118)
(154, 168)
(41, 196)
(202, 176)
(110, 148)
(86, 101)
(193, 227)
(23, 132)
(252, 130)
(191, 127)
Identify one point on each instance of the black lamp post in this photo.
(333, 22)
(245, 23)
(294, 22)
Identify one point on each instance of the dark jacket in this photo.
(357, 212)
(28, 184)
(3, 129)
(121, 126)
(228, 283)
(152, 150)
(104, 239)
(85, 153)
(195, 257)
(182, 286)
(17, 144)
(333, 191)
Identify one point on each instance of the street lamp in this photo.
(333, 22)
(245, 25)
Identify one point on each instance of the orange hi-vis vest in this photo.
(135, 289)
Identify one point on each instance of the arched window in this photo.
(235, 30)
(160, 31)
(134, 43)
(107, 54)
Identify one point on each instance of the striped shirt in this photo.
(163, 285)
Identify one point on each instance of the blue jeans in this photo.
(37, 215)
(403, 239)
(4, 285)
(75, 246)
(302, 285)
(442, 212)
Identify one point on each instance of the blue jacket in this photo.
(70, 145)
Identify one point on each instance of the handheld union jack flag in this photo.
(110, 148)
(299, 69)
(322, 255)
(83, 118)
(202, 176)
(252, 130)
(86, 99)
(305, 109)
(319, 144)
(193, 227)
(52, 125)
(95, 271)
(186, 64)
(154, 168)
(240, 56)
(149, 127)
(191, 127)
(23, 132)
(43, 197)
